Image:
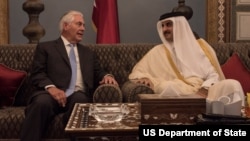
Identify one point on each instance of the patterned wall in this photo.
(4, 22)
(227, 21)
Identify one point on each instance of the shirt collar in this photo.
(65, 41)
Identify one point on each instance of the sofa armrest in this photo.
(107, 93)
(130, 91)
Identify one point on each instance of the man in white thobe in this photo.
(183, 64)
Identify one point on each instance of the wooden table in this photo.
(82, 125)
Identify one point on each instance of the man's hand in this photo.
(144, 81)
(108, 79)
(203, 92)
(58, 95)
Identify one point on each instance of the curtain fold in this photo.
(105, 21)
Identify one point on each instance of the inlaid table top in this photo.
(82, 123)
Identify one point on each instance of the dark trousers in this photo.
(41, 111)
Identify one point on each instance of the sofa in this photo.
(118, 59)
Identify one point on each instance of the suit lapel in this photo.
(61, 49)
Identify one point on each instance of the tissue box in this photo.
(218, 107)
(172, 109)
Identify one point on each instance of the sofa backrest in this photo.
(225, 50)
(17, 56)
(117, 59)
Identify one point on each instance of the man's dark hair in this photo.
(171, 14)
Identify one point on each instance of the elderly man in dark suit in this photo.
(53, 76)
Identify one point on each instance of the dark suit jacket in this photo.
(51, 66)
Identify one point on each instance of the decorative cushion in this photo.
(10, 81)
(107, 93)
(235, 69)
(131, 90)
